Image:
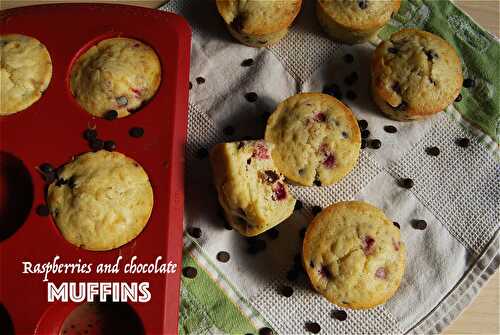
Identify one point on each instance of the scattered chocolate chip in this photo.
(202, 153)
(273, 233)
(333, 90)
(109, 146)
(463, 142)
(269, 176)
(317, 182)
(393, 50)
(189, 272)
(228, 130)
(406, 183)
(200, 80)
(469, 82)
(136, 132)
(251, 96)
(71, 182)
(339, 315)
(286, 291)
(111, 115)
(348, 58)
(293, 274)
(363, 124)
(298, 205)
(223, 257)
(190, 85)
(302, 232)
(365, 133)
(390, 129)
(247, 62)
(194, 232)
(249, 161)
(419, 224)
(431, 54)
(375, 144)
(314, 327)
(96, 144)
(122, 101)
(396, 224)
(458, 98)
(351, 95)
(42, 210)
(432, 151)
(265, 331)
(316, 210)
(90, 134)
(363, 143)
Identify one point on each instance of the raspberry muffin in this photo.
(251, 191)
(316, 139)
(354, 21)
(101, 200)
(25, 72)
(354, 255)
(258, 23)
(415, 74)
(115, 77)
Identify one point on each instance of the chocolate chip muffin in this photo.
(258, 23)
(100, 201)
(354, 21)
(25, 72)
(251, 191)
(354, 255)
(415, 74)
(116, 76)
(316, 139)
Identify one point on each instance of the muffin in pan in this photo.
(25, 72)
(100, 200)
(115, 77)
(316, 139)
(415, 74)
(354, 21)
(251, 190)
(354, 255)
(258, 23)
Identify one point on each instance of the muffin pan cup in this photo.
(50, 131)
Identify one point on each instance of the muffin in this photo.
(354, 255)
(316, 139)
(258, 23)
(115, 77)
(354, 21)
(101, 200)
(25, 72)
(251, 191)
(415, 74)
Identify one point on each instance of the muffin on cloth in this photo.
(117, 74)
(251, 190)
(258, 23)
(415, 74)
(354, 255)
(316, 139)
(354, 21)
(100, 200)
(25, 72)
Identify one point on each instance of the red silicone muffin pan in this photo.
(51, 131)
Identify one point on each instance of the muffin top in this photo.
(117, 74)
(100, 200)
(360, 14)
(416, 73)
(259, 17)
(316, 138)
(354, 255)
(25, 72)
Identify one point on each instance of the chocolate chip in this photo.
(463, 142)
(396, 88)
(247, 62)
(286, 291)
(270, 176)
(200, 80)
(375, 144)
(228, 130)
(273, 233)
(469, 83)
(316, 210)
(351, 95)
(339, 315)
(223, 257)
(458, 98)
(189, 272)
(393, 50)
(406, 183)
(111, 115)
(194, 232)
(363, 124)
(314, 327)
(348, 58)
(202, 153)
(344, 135)
(109, 146)
(293, 274)
(96, 144)
(317, 182)
(432, 151)
(71, 182)
(249, 161)
(431, 54)
(397, 225)
(419, 224)
(42, 210)
(365, 133)
(190, 85)
(298, 205)
(363, 143)
(302, 232)
(90, 134)
(251, 96)
(136, 132)
(265, 331)
(122, 101)
(333, 90)
(390, 129)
